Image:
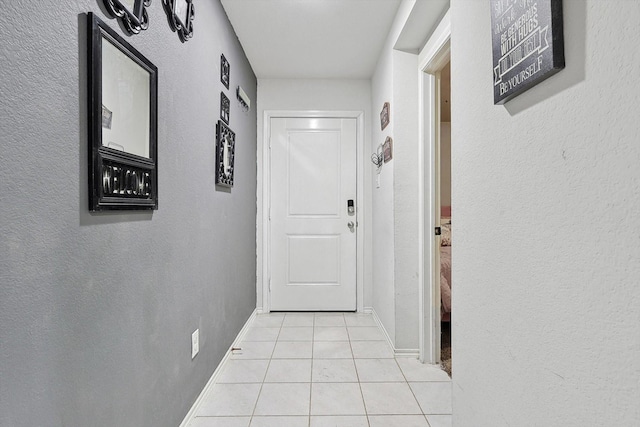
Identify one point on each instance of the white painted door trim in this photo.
(432, 58)
(264, 202)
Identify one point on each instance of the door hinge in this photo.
(438, 231)
(269, 285)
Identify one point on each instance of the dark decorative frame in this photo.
(533, 52)
(384, 116)
(387, 149)
(225, 140)
(134, 20)
(225, 106)
(118, 179)
(225, 71)
(184, 27)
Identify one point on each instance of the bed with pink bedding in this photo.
(445, 271)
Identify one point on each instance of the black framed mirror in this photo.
(180, 14)
(123, 117)
(132, 13)
(225, 154)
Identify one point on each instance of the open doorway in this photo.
(445, 209)
(434, 61)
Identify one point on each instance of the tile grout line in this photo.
(313, 337)
(265, 374)
(411, 390)
(424, 414)
(366, 413)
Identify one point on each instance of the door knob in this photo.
(350, 224)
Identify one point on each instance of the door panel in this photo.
(313, 250)
(314, 162)
(304, 265)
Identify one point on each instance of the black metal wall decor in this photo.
(123, 117)
(225, 106)
(528, 45)
(132, 13)
(225, 154)
(225, 71)
(180, 14)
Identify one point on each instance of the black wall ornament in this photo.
(132, 13)
(225, 154)
(225, 106)
(180, 14)
(225, 71)
(123, 122)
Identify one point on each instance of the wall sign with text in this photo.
(528, 45)
(123, 122)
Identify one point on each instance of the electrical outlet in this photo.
(195, 343)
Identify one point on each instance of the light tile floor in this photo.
(323, 370)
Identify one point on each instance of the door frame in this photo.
(264, 201)
(432, 58)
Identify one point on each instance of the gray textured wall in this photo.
(546, 237)
(97, 310)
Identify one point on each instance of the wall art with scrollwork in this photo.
(225, 106)
(132, 13)
(180, 14)
(225, 154)
(225, 71)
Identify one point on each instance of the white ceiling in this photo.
(312, 38)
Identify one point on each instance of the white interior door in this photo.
(313, 231)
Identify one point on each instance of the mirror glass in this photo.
(181, 9)
(226, 158)
(125, 102)
(129, 4)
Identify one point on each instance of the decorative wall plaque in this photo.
(122, 112)
(225, 71)
(528, 45)
(225, 154)
(180, 14)
(132, 13)
(387, 149)
(384, 116)
(225, 105)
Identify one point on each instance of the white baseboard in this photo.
(406, 352)
(194, 408)
(397, 352)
